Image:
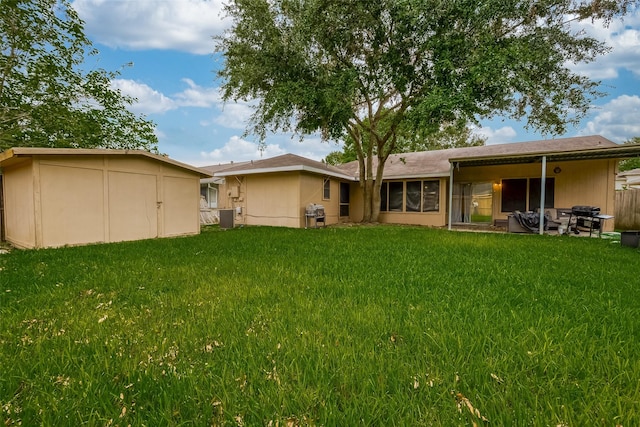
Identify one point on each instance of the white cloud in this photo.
(237, 149)
(623, 37)
(311, 147)
(184, 25)
(148, 100)
(617, 120)
(151, 101)
(502, 135)
(198, 96)
(234, 115)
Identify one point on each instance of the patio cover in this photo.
(602, 149)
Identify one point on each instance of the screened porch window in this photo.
(523, 194)
(413, 196)
(391, 196)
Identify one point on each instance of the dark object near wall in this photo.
(226, 218)
(588, 211)
(630, 238)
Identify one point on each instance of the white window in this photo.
(210, 193)
(326, 189)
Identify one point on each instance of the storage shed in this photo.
(64, 196)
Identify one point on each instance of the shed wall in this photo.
(71, 205)
(56, 200)
(20, 228)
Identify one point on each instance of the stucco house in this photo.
(276, 191)
(434, 188)
(55, 197)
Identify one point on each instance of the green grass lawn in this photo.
(375, 326)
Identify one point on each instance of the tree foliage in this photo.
(47, 99)
(633, 163)
(372, 70)
(450, 135)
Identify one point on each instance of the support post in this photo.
(450, 194)
(543, 185)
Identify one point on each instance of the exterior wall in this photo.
(180, 204)
(585, 182)
(71, 204)
(312, 191)
(268, 199)
(356, 203)
(132, 206)
(20, 228)
(75, 200)
(278, 199)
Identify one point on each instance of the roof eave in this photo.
(292, 168)
(621, 152)
(17, 152)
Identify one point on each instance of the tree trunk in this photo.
(371, 190)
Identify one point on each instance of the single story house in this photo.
(276, 191)
(435, 188)
(63, 196)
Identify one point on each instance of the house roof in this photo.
(284, 163)
(437, 163)
(213, 169)
(13, 155)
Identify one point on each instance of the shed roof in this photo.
(13, 155)
(284, 163)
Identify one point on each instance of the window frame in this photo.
(326, 188)
(525, 192)
(418, 203)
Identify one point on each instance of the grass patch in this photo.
(340, 326)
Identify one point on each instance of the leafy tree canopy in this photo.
(634, 163)
(450, 135)
(46, 98)
(370, 69)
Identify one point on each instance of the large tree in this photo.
(47, 99)
(450, 135)
(345, 67)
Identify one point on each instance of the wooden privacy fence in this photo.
(627, 208)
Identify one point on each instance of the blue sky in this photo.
(169, 44)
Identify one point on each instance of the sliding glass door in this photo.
(472, 203)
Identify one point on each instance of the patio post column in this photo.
(450, 193)
(543, 185)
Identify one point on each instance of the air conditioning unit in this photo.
(226, 218)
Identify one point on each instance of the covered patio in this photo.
(486, 188)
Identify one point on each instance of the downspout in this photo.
(543, 185)
(450, 194)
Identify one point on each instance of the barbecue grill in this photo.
(585, 211)
(586, 217)
(316, 213)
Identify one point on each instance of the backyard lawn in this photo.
(375, 326)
